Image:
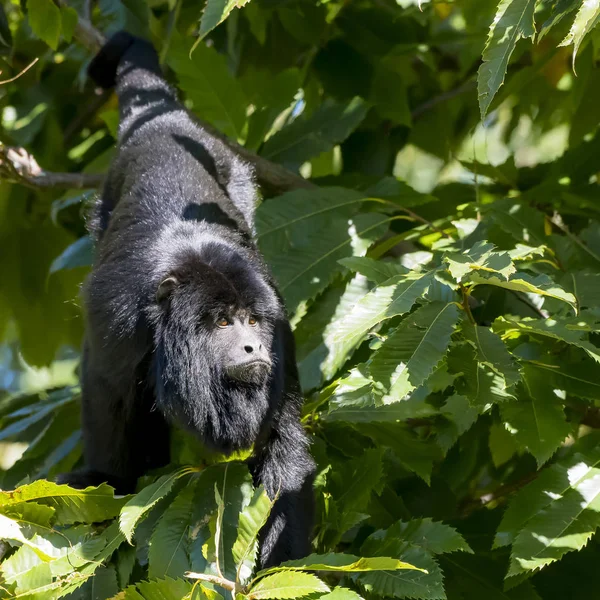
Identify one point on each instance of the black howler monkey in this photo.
(184, 322)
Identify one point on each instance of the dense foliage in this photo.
(440, 262)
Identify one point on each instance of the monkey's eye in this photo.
(252, 321)
(223, 322)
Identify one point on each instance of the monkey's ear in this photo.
(165, 288)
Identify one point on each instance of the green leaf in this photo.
(580, 379)
(568, 330)
(302, 210)
(44, 18)
(522, 282)
(78, 254)
(537, 419)
(252, 519)
(216, 96)
(158, 589)
(91, 505)
(564, 524)
(461, 417)
(423, 584)
(305, 138)
(560, 10)
(410, 354)
(413, 453)
(551, 485)
(377, 271)
(304, 272)
(69, 21)
(168, 556)
(389, 299)
(233, 492)
(586, 19)
(480, 257)
(492, 351)
(319, 356)
(479, 383)
(215, 12)
(345, 563)
(435, 537)
(355, 481)
(513, 21)
(11, 530)
(341, 593)
(286, 584)
(524, 223)
(141, 503)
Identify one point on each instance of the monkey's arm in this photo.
(285, 468)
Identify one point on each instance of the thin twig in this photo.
(20, 73)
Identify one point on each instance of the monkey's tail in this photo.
(131, 64)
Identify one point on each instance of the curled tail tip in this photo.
(103, 67)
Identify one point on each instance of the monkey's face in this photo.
(214, 358)
(242, 340)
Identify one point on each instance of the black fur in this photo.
(175, 254)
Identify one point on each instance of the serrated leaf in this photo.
(354, 482)
(521, 282)
(286, 584)
(90, 505)
(216, 96)
(568, 330)
(414, 454)
(433, 536)
(492, 351)
(319, 357)
(560, 10)
(345, 563)
(159, 589)
(141, 503)
(377, 271)
(167, 555)
(215, 12)
(584, 286)
(306, 138)
(551, 484)
(586, 19)
(564, 525)
(44, 18)
(304, 272)
(461, 417)
(480, 257)
(302, 208)
(426, 584)
(580, 379)
(392, 298)
(513, 21)
(251, 521)
(524, 223)
(410, 354)
(479, 383)
(341, 593)
(11, 530)
(537, 420)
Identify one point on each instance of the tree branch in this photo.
(18, 166)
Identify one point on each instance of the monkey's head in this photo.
(214, 339)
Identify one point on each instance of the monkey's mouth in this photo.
(254, 371)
